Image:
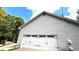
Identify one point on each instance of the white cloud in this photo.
(43, 5)
(39, 5)
(52, 5)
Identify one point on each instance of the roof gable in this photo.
(58, 17)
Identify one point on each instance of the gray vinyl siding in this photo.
(51, 25)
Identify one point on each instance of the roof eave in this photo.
(44, 12)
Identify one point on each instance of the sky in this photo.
(52, 5)
(22, 12)
(34, 7)
(26, 13)
(62, 11)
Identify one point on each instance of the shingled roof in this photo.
(58, 17)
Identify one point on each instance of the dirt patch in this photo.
(26, 49)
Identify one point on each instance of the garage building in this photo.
(49, 32)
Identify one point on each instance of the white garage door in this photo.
(45, 43)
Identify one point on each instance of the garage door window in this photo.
(40, 36)
(27, 35)
(50, 36)
(34, 35)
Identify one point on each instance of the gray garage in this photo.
(48, 24)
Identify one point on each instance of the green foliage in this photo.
(9, 26)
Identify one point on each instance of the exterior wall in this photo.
(50, 25)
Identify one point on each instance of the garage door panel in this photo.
(48, 43)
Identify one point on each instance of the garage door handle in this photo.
(37, 45)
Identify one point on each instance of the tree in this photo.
(9, 26)
(18, 23)
(2, 25)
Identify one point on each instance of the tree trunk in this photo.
(14, 38)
